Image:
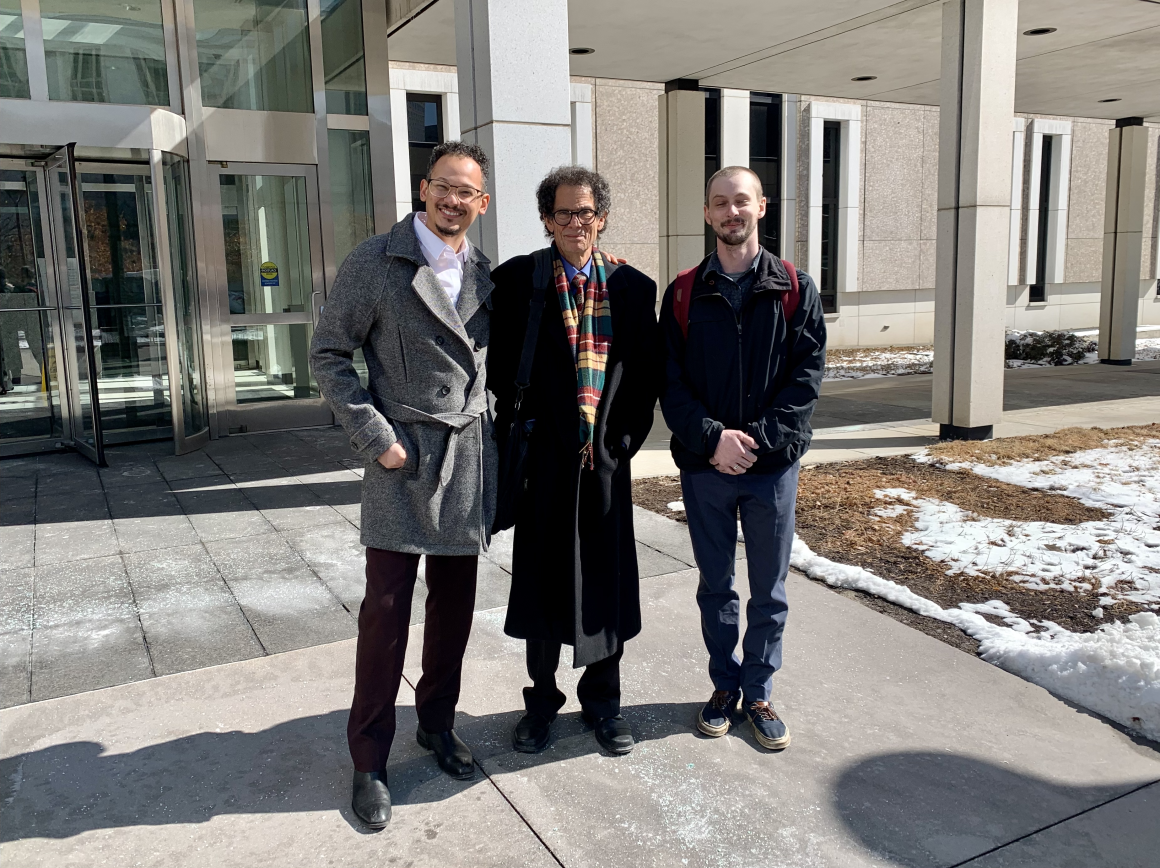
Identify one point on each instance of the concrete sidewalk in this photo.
(905, 752)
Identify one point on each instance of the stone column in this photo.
(974, 204)
(682, 178)
(1123, 241)
(734, 127)
(514, 102)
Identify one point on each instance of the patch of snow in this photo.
(677, 506)
(1114, 671)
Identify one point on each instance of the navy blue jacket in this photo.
(755, 373)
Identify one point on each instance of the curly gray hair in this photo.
(573, 176)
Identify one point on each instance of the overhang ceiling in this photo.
(1101, 49)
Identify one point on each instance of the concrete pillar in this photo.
(514, 89)
(789, 176)
(977, 102)
(682, 178)
(1123, 241)
(734, 127)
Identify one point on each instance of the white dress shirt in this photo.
(445, 262)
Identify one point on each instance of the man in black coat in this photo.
(574, 570)
(746, 351)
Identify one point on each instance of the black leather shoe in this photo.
(453, 756)
(612, 733)
(532, 733)
(371, 799)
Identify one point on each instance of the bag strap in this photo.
(791, 299)
(682, 294)
(540, 275)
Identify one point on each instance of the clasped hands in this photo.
(734, 454)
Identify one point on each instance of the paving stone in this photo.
(68, 506)
(651, 562)
(129, 468)
(196, 465)
(15, 649)
(71, 541)
(335, 487)
(663, 534)
(96, 589)
(189, 615)
(287, 504)
(222, 513)
(334, 552)
(284, 601)
(15, 600)
(17, 486)
(87, 654)
(17, 531)
(492, 586)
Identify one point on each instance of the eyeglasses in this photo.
(440, 189)
(563, 217)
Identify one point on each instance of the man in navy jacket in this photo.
(741, 383)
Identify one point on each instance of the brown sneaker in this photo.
(769, 729)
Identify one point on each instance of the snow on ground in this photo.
(1114, 671)
(859, 363)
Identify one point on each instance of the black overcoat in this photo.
(574, 570)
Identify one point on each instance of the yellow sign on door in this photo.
(269, 273)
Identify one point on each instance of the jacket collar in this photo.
(402, 242)
(771, 274)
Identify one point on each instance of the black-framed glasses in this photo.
(563, 217)
(440, 189)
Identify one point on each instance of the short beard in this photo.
(733, 239)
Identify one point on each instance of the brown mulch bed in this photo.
(835, 517)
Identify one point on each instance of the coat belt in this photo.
(457, 422)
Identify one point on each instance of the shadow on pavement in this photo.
(299, 766)
(925, 808)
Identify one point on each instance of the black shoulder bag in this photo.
(513, 469)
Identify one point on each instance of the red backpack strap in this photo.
(790, 300)
(682, 293)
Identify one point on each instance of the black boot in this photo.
(371, 800)
(612, 733)
(532, 733)
(453, 756)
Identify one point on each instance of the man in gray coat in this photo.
(416, 301)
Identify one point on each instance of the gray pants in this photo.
(766, 505)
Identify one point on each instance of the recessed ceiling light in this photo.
(1110, 99)
(582, 51)
(864, 78)
(1039, 31)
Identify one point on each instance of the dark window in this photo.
(831, 172)
(765, 160)
(424, 132)
(1039, 286)
(712, 150)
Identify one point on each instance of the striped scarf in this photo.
(588, 324)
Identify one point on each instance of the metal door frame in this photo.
(53, 314)
(273, 415)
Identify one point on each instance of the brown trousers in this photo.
(383, 624)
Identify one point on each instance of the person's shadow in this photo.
(926, 809)
(297, 766)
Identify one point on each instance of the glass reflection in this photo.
(342, 57)
(267, 242)
(105, 51)
(272, 362)
(254, 54)
(13, 61)
(352, 206)
(29, 396)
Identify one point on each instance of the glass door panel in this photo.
(271, 279)
(68, 246)
(125, 281)
(30, 407)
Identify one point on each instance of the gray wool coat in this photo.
(427, 388)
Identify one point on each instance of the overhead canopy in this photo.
(1099, 50)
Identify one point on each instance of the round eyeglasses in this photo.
(441, 189)
(563, 217)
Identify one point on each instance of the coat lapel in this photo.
(404, 243)
(477, 285)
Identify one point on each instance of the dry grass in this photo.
(1039, 447)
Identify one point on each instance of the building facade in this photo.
(180, 181)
